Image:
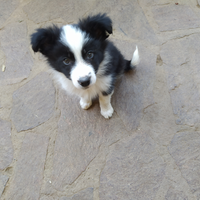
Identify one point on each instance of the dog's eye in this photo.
(90, 55)
(67, 61)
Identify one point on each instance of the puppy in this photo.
(83, 61)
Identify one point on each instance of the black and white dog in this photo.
(83, 61)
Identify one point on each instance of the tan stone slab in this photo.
(33, 103)
(182, 61)
(185, 149)
(47, 198)
(18, 58)
(133, 170)
(86, 194)
(3, 181)
(70, 11)
(173, 194)
(175, 17)
(128, 18)
(6, 9)
(134, 91)
(80, 134)
(28, 173)
(6, 147)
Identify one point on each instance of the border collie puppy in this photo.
(83, 61)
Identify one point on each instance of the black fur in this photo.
(99, 26)
(44, 39)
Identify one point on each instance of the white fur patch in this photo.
(102, 84)
(136, 58)
(74, 38)
(105, 105)
(82, 69)
(85, 103)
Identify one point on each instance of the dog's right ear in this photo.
(44, 39)
(98, 26)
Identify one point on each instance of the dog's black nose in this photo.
(84, 81)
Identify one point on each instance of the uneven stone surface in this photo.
(18, 58)
(86, 194)
(185, 149)
(6, 9)
(172, 194)
(51, 149)
(183, 77)
(33, 103)
(3, 181)
(158, 120)
(133, 169)
(173, 17)
(54, 8)
(29, 168)
(128, 19)
(6, 147)
(80, 134)
(1, 58)
(47, 198)
(130, 102)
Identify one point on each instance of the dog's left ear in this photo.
(44, 39)
(98, 26)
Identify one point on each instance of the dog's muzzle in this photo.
(84, 81)
(83, 76)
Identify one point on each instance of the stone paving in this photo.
(51, 149)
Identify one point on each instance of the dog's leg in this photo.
(85, 102)
(105, 105)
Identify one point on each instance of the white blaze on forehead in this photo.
(74, 38)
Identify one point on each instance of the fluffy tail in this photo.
(131, 64)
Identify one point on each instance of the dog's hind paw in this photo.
(85, 105)
(107, 113)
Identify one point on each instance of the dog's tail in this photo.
(131, 64)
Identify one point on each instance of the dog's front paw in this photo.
(85, 105)
(107, 113)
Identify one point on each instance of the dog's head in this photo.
(75, 50)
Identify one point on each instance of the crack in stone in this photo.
(45, 163)
(185, 36)
(5, 189)
(101, 172)
(114, 143)
(122, 31)
(148, 107)
(85, 167)
(161, 4)
(122, 123)
(179, 170)
(171, 31)
(177, 38)
(184, 63)
(143, 112)
(10, 16)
